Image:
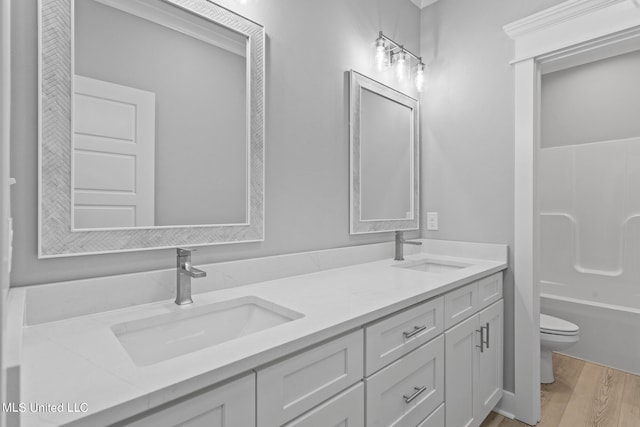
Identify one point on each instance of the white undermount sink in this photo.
(195, 327)
(432, 266)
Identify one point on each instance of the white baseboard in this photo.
(507, 405)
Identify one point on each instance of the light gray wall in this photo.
(310, 46)
(200, 114)
(594, 102)
(468, 128)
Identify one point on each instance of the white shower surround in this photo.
(569, 34)
(589, 247)
(590, 220)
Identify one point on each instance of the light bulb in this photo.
(420, 77)
(401, 64)
(380, 53)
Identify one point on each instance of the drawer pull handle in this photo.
(487, 335)
(418, 392)
(482, 337)
(416, 330)
(481, 346)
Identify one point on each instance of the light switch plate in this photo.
(432, 221)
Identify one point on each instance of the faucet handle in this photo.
(184, 251)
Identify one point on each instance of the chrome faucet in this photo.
(400, 242)
(185, 272)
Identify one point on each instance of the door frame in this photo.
(572, 33)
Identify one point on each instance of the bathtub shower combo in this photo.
(590, 247)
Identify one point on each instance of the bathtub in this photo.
(609, 322)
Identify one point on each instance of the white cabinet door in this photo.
(474, 367)
(230, 405)
(344, 410)
(461, 373)
(490, 372)
(295, 385)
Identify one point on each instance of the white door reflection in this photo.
(113, 155)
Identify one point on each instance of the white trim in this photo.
(526, 304)
(617, 44)
(506, 406)
(555, 15)
(578, 21)
(574, 31)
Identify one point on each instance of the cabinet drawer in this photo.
(489, 290)
(460, 304)
(407, 391)
(346, 409)
(395, 336)
(295, 385)
(436, 419)
(229, 405)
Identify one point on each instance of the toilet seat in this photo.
(554, 326)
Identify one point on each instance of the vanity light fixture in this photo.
(390, 53)
(420, 77)
(400, 64)
(381, 53)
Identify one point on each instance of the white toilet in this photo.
(555, 335)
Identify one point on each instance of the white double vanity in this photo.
(375, 343)
(345, 336)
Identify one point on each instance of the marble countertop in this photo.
(80, 364)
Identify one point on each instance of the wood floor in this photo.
(584, 395)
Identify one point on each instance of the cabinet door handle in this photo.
(416, 330)
(481, 346)
(418, 392)
(487, 334)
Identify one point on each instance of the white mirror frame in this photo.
(358, 82)
(56, 236)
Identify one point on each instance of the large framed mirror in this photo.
(151, 126)
(384, 144)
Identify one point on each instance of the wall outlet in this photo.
(432, 221)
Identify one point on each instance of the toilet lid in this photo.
(553, 325)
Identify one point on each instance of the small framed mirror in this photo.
(151, 126)
(384, 144)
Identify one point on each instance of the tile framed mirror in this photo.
(384, 157)
(151, 126)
